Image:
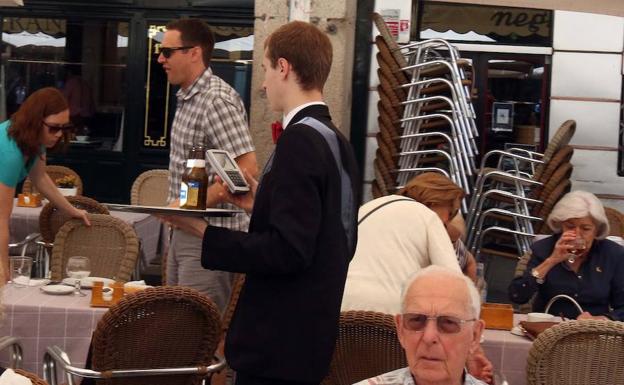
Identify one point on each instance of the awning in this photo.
(606, 7)
(464, 19)
(11, 3)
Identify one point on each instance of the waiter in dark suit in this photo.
(303, 227)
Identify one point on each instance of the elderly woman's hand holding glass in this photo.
(576, 261)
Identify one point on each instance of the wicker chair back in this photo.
(578, 353)
(34, 379)
(367, 346)
(616, 221)
(52, 218)
(150, 188)
(110, 243)
(161, 327)
(55, 172)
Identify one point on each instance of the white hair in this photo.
(579, 204)
(474, 307)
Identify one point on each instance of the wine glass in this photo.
(78, 268)
(577, 246)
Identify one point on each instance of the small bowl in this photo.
(82, 138)
(540, 317)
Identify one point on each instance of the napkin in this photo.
(9, 377)
(135, 283)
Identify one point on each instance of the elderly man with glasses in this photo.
(439, 327)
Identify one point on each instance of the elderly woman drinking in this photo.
(576, 261)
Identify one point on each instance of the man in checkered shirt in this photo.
(210, 113)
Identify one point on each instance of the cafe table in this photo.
(40, 320)
(150, 231)
(508, 352)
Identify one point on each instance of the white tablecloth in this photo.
(40, 320)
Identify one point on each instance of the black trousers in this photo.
(244, 379)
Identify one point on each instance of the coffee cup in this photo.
(540, 317)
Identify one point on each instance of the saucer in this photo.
(57, 289)
(87, 283)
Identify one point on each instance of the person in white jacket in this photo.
(397, 236)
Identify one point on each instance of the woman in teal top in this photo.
(38, 124)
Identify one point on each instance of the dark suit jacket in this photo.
(295, 255)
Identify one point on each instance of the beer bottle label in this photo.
(199, 163)
(183, 194)
(192, 196)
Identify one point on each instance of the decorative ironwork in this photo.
(153, 114)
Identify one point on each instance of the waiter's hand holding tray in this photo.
(165, 211)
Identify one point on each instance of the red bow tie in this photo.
(276, 130)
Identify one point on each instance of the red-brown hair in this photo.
(27, 122)
(306, 48)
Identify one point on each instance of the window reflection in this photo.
(86, 59)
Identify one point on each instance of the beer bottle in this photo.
(194, 181)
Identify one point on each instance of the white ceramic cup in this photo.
(540, 317)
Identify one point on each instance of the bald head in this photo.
(441, 282)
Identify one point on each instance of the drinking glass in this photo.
(78, 268)
(577, 246)
(20, 269)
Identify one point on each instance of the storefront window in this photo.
(483, 24)
(86, 59)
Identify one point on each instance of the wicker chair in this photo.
(34, 379)
(110, 243)
(55, 172)
(578, 353)
(150, 188)
(155, 331)
(520, 269)
(237, 287)
(367, 346)
(616, 221)
(50, 221)
(52, 218)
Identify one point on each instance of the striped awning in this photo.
(606, 7)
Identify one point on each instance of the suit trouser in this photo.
(184, 269)
(244, 379)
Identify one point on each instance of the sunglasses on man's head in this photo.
(54, 128)
(168, 51)
(446, 324)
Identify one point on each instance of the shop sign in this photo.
(463, 18)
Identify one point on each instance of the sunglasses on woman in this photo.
(168, 51)
(446, 324)
(54, 128)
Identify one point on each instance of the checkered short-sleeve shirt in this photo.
(210, 113)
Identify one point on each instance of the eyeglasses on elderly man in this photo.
(446, 324)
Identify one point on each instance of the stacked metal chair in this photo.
(511, 201)
(426, 119)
